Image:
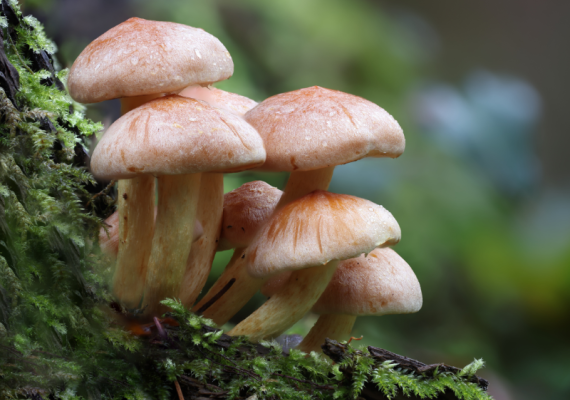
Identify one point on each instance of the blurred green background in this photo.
(482, 193)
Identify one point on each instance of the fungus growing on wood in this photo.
(175, 138)
(308, 132)
(379, 283)
(137, 61)
(309, 236)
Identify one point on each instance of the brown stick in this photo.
(178, 390)
(102, 192)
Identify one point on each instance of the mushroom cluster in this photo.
(306, 248)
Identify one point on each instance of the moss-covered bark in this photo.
(59, 338)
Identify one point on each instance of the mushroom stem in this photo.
(332, 326)
(177, 204)
(136, 221)
(301, 183)
(243, 289)
(132, 102)
(210, 208)
(288, 305)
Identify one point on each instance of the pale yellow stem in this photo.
(239, 293)
(332, 326)
(210, 208)
(177, 203)
(130, 103)
(301, 183)
(288, 305)
(136, 221)
(298, 185)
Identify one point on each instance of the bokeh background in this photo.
(482, 193)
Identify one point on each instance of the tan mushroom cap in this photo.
(140, 57)
(233, 102)
(314, 128)
(318, 228)
(378, 284)
(176, 135)
(246, 209)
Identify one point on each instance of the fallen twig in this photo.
(178, 390)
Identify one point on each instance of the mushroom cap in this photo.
(245, 210)
(378, 284)
(140, 57)
(314, 128)
(176, 135)
(229, 101)
(318, 228)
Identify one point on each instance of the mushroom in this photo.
(308, 132)
(246, 209)
(209, 214)
(109, 234)
(137, 61)
(175, 138)
(210, 203)
(309, 237)
(380, 283)
(229, 101)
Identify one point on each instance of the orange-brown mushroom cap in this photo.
(245, 210)
(140, 57)
(314, 128)
(378, 284)
(318, 228)
(176, 135)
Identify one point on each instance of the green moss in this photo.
(240, 369)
